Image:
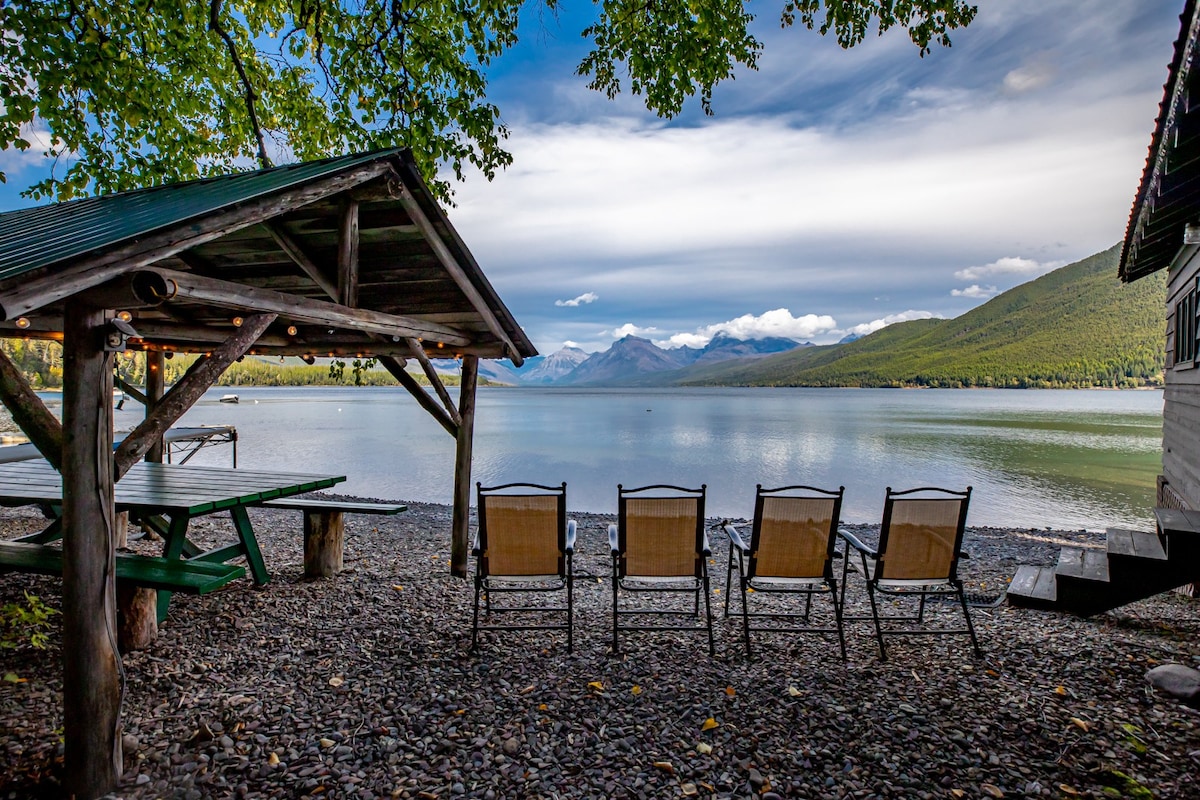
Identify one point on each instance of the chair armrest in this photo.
(475, 545)
(964, 554)
(857, 544)
(571, 526)
(735, 539)
(613, 539)
(707, 549)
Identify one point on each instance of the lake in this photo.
(1061, 459)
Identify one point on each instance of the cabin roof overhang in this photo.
(353, 254)
(1168, 197)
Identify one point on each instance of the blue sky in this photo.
(834, 191)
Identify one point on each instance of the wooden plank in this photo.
(307, 504)
(1125, 543)
(347, 255)
(1082, 564)
(1032, 587)
(91, 663)
(298, 255)
(195, 577)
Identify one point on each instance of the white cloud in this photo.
(629, 329)
(583, 299)
(891, 319)
(569, 343)
(1028, 77)
(975, 290)
(1009, 265)
(777, 322)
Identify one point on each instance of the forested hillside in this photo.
(1075, 327)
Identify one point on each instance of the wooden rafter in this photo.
(396, 368)
(347, 288)
(296, 253)
(435, 380)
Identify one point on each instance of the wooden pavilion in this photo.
(346, 257)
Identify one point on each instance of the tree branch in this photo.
(214, 24)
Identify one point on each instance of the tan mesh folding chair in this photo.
(790, 551)
(659, 545)
(525, 543)
(920, 544)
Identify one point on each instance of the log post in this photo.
(460, 525)
(91, 664)
(156, 383)
(324, 535)
(137, 616)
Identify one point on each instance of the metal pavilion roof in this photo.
(268, 240)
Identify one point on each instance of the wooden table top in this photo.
(166, 488)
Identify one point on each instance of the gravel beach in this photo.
(361, 686)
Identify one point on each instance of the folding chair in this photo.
(659, 545)
(920, 543)
(525, 543)
(790, 551)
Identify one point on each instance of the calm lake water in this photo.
(1062, 459)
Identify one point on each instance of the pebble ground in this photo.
(363, 686)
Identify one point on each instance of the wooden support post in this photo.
(156, 383)
(348, 255)
(187, 391)
(460, 522)
(324, 536)
(30, 413)
(91, 664)
(137, 616)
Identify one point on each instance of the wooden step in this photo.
(1033, 587)
(1079, 564)
(1135, 544)
(1180, 530)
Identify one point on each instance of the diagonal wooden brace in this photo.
(30, 413)
(187, 391)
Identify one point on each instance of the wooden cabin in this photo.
(1163, 233)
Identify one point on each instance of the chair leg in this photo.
(878, 627)
(616, 645)
(745, 585)
(962, 599)
(475, 615)
(807, 606)
(729, 578)
(712, 647)
(921, 609)
(570, 606)
(845, 572)
(837, 615)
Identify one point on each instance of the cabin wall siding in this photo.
(1181, 400)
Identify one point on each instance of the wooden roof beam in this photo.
(235, 296)
(296, 253)
(435, 380)
(347, 288)
(417, 215)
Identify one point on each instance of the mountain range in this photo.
(1077, 326)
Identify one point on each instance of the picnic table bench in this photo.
(325, 528)
(153, 572)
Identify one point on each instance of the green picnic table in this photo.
(167, 497)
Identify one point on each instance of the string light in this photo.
(124, 316)
(22, 322)
(237, 322)
(292, 330)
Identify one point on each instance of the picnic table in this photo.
(166, 497)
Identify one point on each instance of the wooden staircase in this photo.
(1135, 565)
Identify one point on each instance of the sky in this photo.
(832, 192)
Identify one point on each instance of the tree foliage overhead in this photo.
(132, 93)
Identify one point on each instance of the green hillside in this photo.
(1075, 327)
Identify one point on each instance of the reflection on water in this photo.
(1064, 459)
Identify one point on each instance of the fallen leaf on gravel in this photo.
(398, 588)
(12, 677)
(990, 790)
(729, 690)
(597, 685)
(958, 793)
(327, 743)
(665, 766)
(1081, 724)
(273, 759)
(1062, 787)
(528, 689)
(336, 681)
(704, 748)
(793, 691)
(636, 690)
(543, 707)
(709, 724)
(1060, 690)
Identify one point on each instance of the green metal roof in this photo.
(37, 237)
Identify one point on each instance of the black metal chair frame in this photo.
(621, 580)
(745, 556)
(875, 573)
(484, 579)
